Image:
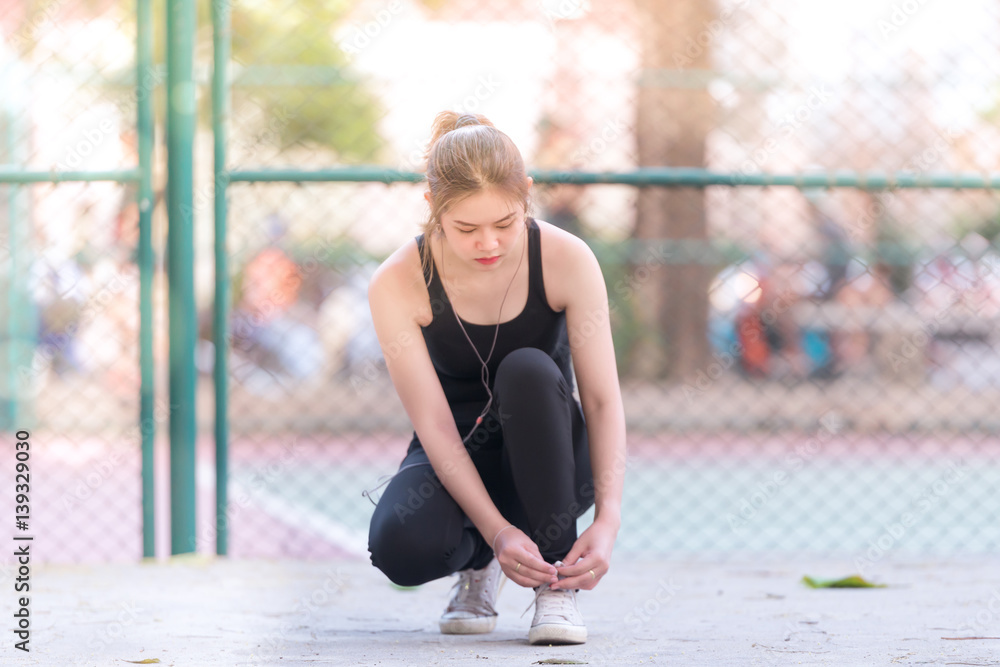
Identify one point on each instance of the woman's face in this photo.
(484, 231)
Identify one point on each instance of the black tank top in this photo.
(456, 364)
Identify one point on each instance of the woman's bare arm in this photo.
(592, 347)
(391, 298)
(580, 286)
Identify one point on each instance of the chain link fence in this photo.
(804, 368)
(69, 315)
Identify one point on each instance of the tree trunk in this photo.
(675, 113)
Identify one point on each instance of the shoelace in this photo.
(559, 603)
(538, 593)
(561, 600)
(470, 595)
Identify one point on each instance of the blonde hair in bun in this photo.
(468, 154)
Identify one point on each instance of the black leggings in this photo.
(535, 464)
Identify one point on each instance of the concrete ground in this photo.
(682, 611)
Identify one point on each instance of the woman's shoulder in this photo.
(561, 244)
(400, 278)
(558, 233)
(564, 256)
(402, 259)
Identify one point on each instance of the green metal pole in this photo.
(20, 316)
(144, 127)
(220, 117)
(180, 270)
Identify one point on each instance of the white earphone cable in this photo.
(485, 373)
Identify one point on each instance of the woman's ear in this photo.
(427, 196)
(529, 180)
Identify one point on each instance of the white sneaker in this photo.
(472, 609)
(557, 618)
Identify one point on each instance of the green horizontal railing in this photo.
(9, 174)
(646, 176)
(716, 253)
(359, 174)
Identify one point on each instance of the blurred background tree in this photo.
(293, 91)
(675, 113)
(324, 105)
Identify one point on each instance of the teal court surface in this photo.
(300, 496)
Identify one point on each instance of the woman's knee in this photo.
(411, 532)
(527, 366)
(402, 553)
